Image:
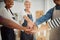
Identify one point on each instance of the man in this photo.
(27, 21)
(52, 13)
(6, 18)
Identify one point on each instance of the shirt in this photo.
(47, 16)
(7, 14)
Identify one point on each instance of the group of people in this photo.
(27, 25)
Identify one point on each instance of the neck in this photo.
(57, 7)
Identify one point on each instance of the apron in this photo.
(55, 33)
(25, 36)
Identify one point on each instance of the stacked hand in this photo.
(31, 30)
(34, 28)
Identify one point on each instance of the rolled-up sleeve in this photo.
(45, 17)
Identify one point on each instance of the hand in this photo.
(34, 29)
(29, 31)
(30, 25)
(26, 30)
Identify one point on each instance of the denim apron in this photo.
(25, 36)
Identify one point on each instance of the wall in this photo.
(48, 5)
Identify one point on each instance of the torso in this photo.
(55, 33)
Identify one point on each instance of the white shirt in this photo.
(7, 14)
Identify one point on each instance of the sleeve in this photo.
(54, 23)
(5, 14)
(45, 17)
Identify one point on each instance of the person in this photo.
(27, 21)
(52, 13)
(7, 19)
(7, 33)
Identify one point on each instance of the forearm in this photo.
(26, 18)
(10, 24)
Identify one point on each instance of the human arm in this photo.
(6, 19)
(45, 17)
(11, 24)
(29, 21)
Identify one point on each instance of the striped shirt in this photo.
(54, 23)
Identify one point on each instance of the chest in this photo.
(56, 14)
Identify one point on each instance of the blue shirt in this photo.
(47, 16)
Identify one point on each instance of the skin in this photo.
(57, 2)
(9, 3)
(9, 23)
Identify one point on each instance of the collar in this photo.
(57, 7)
